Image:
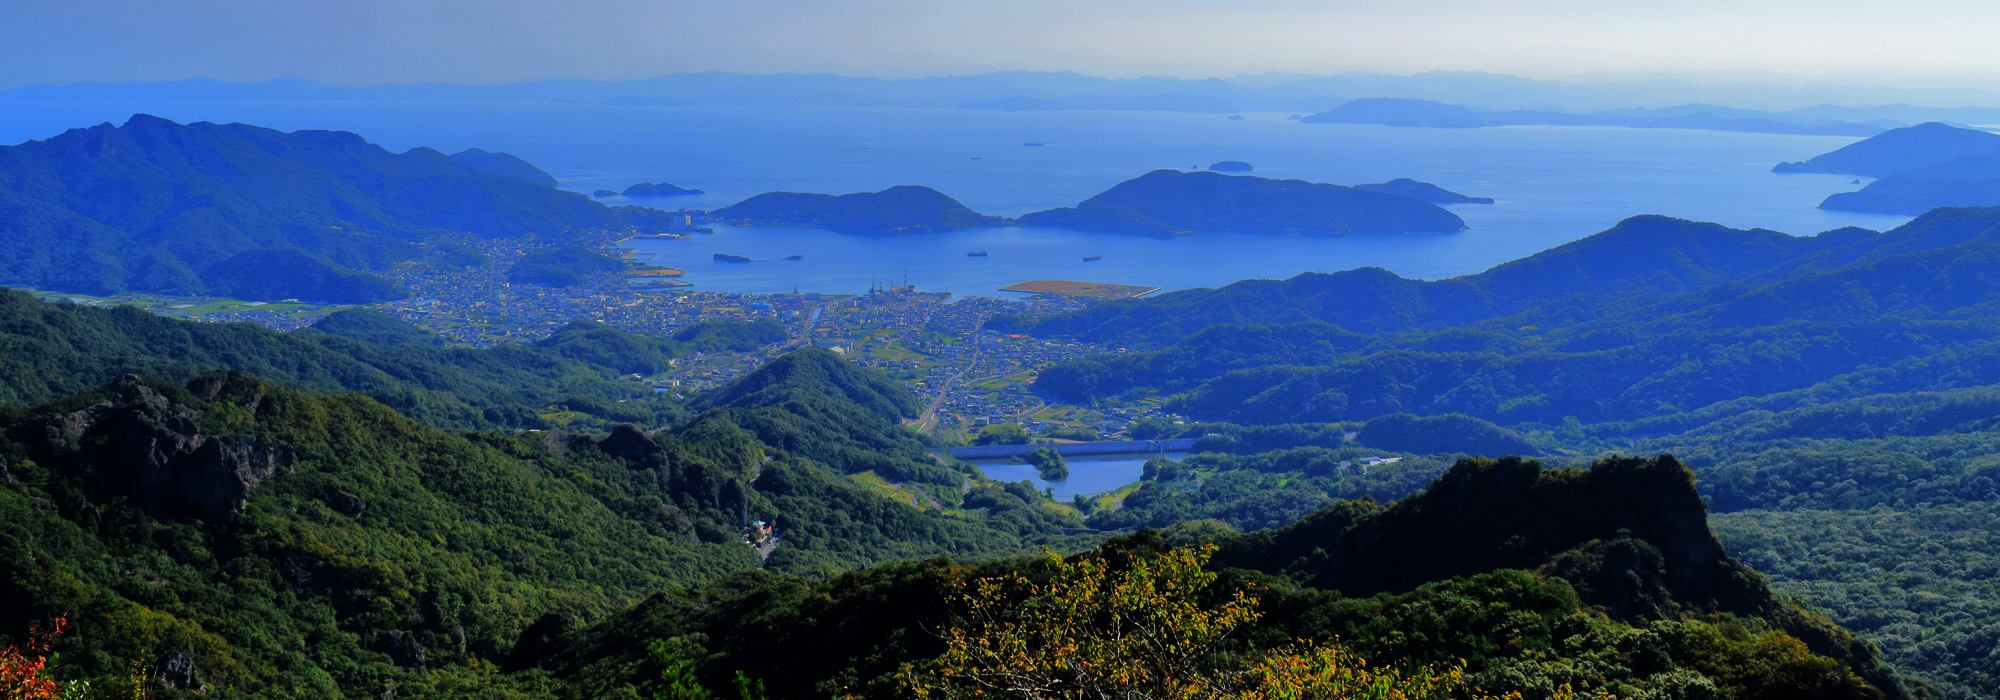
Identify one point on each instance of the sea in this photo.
(1552, 185)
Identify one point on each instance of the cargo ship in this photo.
(976, 254)
(1093, 258)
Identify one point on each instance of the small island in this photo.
(1424, 191)
(795, 257)
(1167, 203)
(727, 258)
(604, 193)
(1049, 462)
(1231, 166)
(649, 190)
(898, 210)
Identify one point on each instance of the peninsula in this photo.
(1898, 150)
(1166, 203)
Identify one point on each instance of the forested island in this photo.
(1166, 203)
(898, 210)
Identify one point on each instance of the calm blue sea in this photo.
(1553, 184)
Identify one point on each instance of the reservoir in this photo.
(1088, 475)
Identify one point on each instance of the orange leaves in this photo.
(21, 665)
(1133, 629)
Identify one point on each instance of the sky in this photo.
(1911, 43)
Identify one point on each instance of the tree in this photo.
(1135, 628)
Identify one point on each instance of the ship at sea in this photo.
(976, 254)
(1093, 258)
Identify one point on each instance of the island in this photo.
(1424, 191)
(1166, 203)
(1235, 117)
(661, 189)
(1231, 166)
(905, 209)
(1898, 150)
(604, 193)
(795, 257)
(727, 258)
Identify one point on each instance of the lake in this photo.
(1088, 474)
(1553, 184)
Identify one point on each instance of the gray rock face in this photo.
(143, 446)
(176, 671)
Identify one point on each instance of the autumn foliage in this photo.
(1138, 628)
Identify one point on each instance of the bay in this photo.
(1553, 184)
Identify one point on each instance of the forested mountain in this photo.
(161, 207)
(1472, 588)
(1611, 357)
(282, 544)
(49, 350)
(1644, 256)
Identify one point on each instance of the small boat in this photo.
(1033, 143)
(976, 254)
(1093, 257)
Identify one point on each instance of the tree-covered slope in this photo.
(1614, 360)
(153, 205)
(48, 350)
(1645, 256)
(1518, 572)
(282, 544)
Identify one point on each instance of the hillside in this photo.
(1899, 150)
(1171, 202)
(898, 210)
(1549, 610)
(1685, 359)
(161, 207)
(50, 350)
(1644, 256)
(284, 544)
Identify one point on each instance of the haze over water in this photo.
(1553, 184)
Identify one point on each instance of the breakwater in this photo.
(1070, 449)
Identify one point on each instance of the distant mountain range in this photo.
(170, 208)
(1647, 99)
(1393, 111)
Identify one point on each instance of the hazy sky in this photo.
(1932, 42)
